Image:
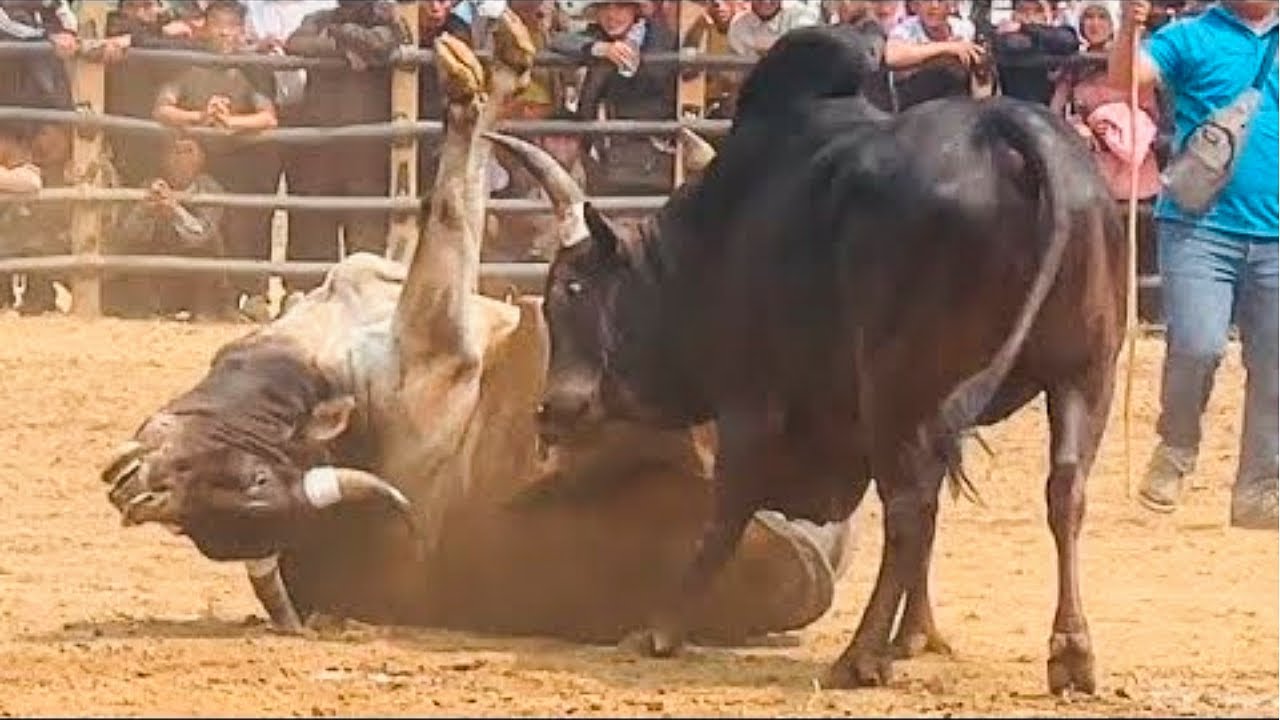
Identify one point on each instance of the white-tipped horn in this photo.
(696, 152)
(566, 195)
(268, 586)
(123, 461)
(327, 486)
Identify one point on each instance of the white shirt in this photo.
(751, 36)
(277, 20)
(911, 30)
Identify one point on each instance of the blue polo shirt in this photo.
(1206, 62)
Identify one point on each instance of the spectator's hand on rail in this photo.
(64, 45)
(967, 52)
(115, 49)
(177, 28)
(617, 52)
(1009, 26)
(268, 45)
(160, 197)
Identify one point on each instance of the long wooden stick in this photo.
(1131, 311)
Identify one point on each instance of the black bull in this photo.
(844, 293)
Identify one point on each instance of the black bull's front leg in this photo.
(754, 456)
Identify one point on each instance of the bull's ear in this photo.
(329, 418)
(602, 233)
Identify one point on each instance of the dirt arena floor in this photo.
(98, 620)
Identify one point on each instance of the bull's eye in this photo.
(574, 288)
(259, 479)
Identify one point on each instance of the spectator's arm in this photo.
(376, 43)
(23, 178)
(569, 44)
(1161, 61)
(192, 228)
(899, 54)
(167, 111)
(310, 39)
(262, 118)
(11, 29)
(129, 34)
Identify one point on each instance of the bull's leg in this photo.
(917, 633)
(740, 457)
(1077, 417)
(910, 498)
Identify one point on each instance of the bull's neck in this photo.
(659, 331)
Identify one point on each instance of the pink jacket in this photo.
(1117, 144)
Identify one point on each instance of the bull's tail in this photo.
(1033, 136)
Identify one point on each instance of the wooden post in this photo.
(691, 94)
(86, 153)
(402, 237)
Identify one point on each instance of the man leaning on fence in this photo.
(620, 84)
(1220, 263)
(366, 35)
(227, 99)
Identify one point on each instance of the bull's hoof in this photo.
(859, 670)
(652, 643)
(461, 74)
(1071, 664)
(512, 44)
(914, 643)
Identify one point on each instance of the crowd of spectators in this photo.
(1038, 51)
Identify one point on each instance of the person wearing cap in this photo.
(620, 85)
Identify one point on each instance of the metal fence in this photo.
(86, 264)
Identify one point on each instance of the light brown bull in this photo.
(389, 395)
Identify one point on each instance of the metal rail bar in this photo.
(368, 131)
(336, 203)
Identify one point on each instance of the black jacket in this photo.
(1021, 59)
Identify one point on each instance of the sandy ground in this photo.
(98, 620)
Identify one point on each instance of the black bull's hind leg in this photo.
(909, 493)
(1077, 418)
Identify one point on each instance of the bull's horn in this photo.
(696, 152)
(326, 486)
(566, 196)
(122, 461)
(268, 585)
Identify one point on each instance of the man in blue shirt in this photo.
(1220, 265)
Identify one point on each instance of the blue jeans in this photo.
(1210, 278)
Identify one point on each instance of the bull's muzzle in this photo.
(567, 414)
